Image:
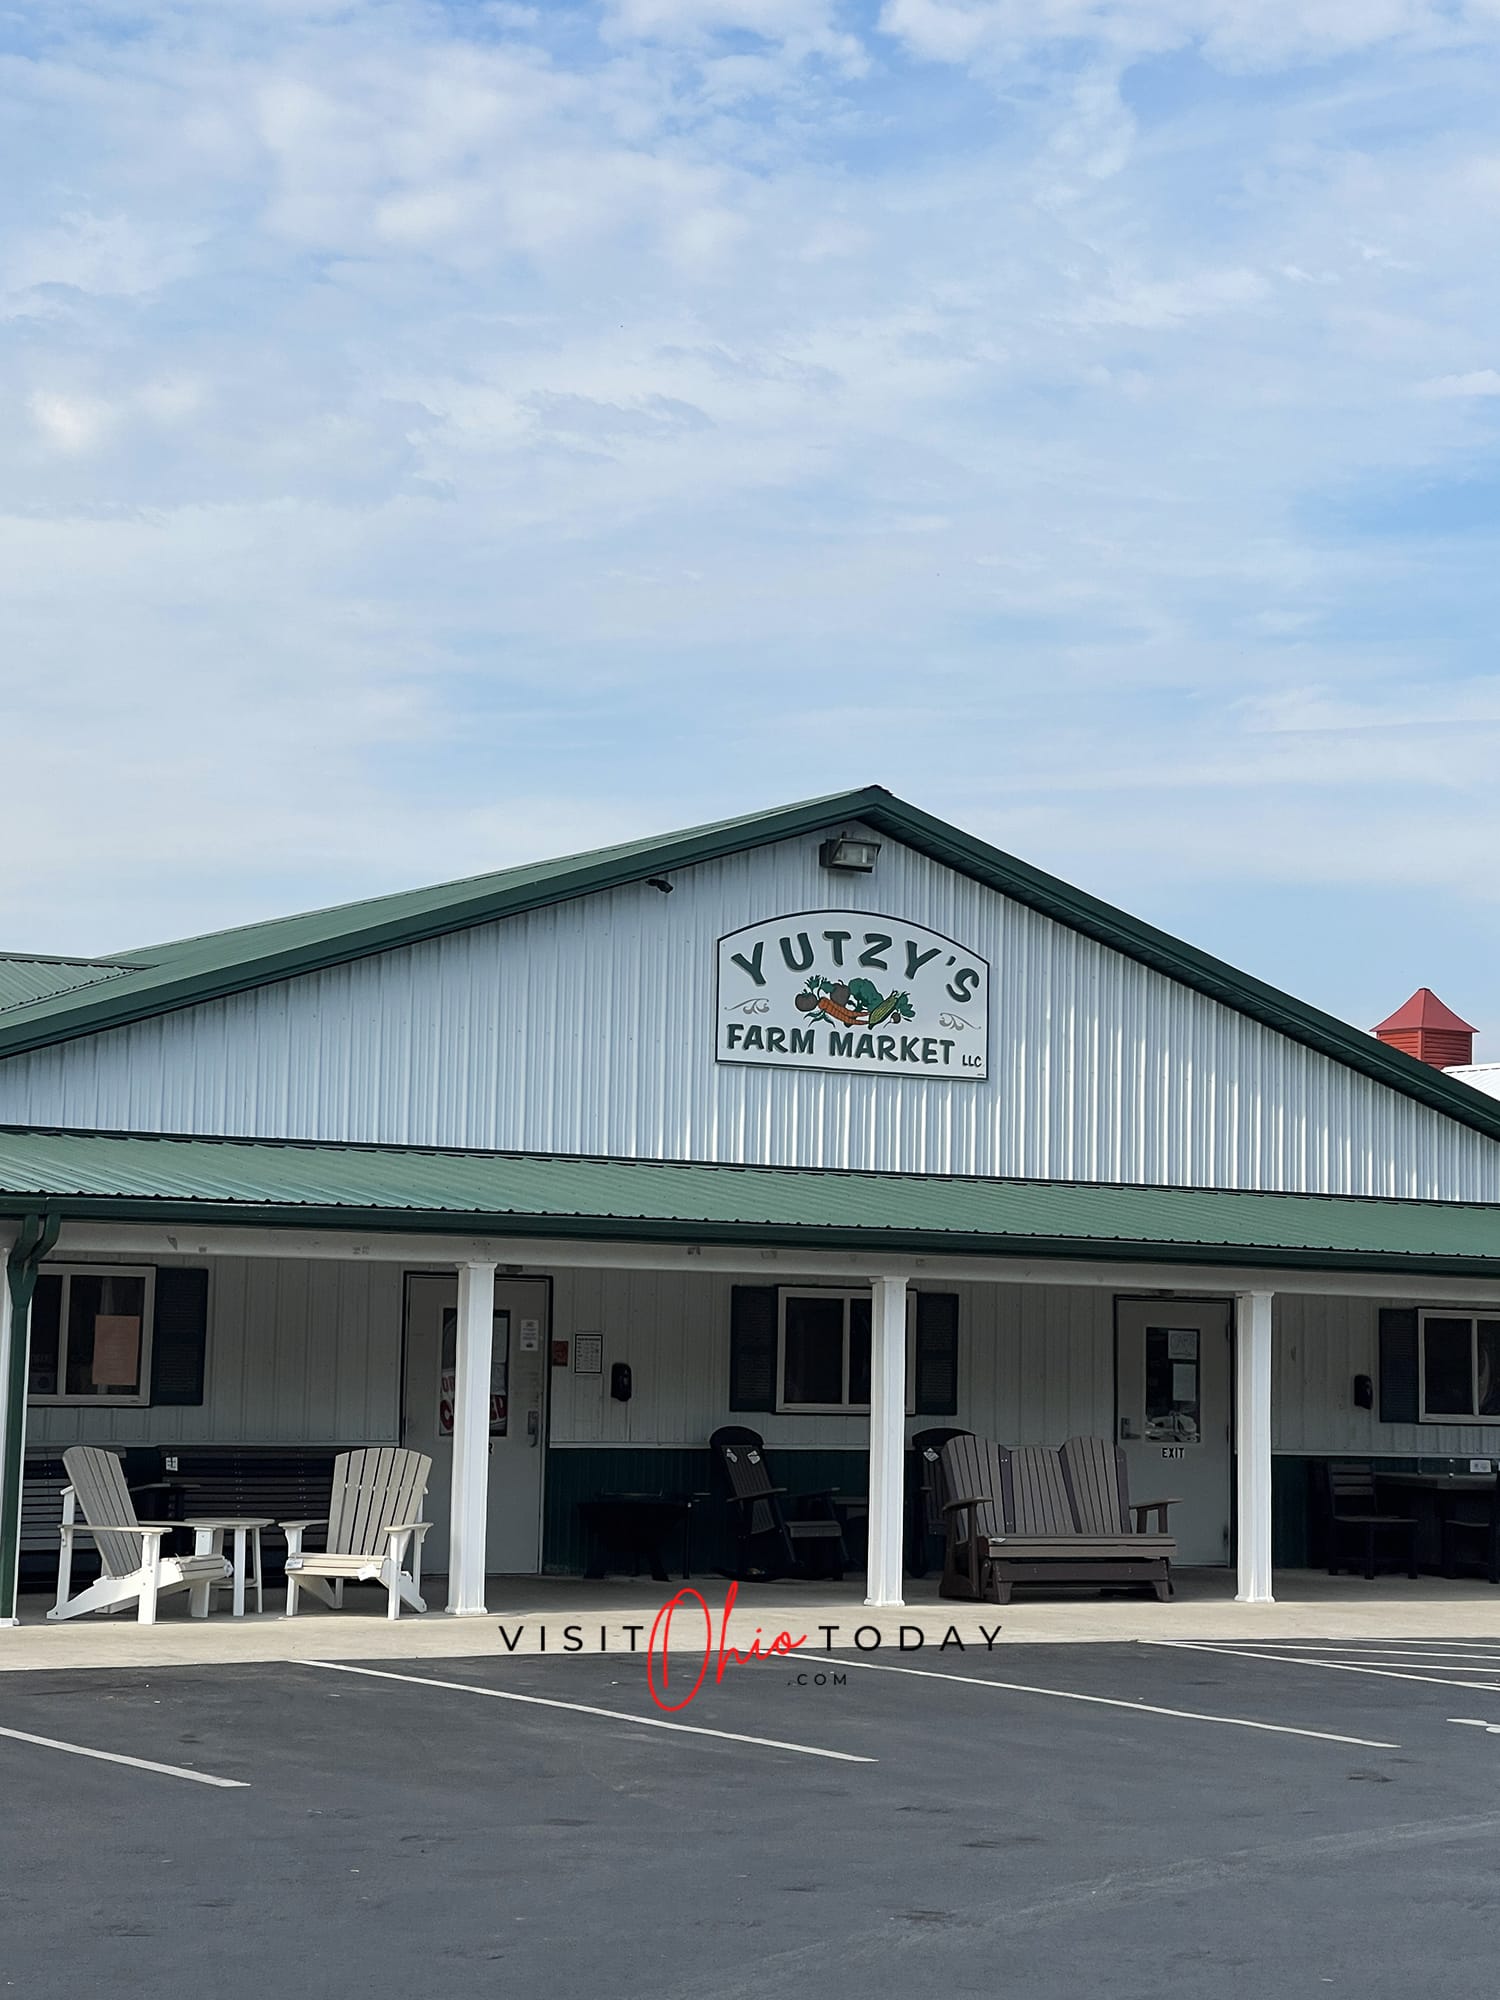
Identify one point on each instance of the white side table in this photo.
(208, 1540)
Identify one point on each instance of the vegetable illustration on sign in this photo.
(845, 990)
(857, 1005)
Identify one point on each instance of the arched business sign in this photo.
(845, 990)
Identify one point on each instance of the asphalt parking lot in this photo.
(1127, 1820)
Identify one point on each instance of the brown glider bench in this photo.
(1041, 1515)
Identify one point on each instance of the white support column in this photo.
(887, 1441)
(468, 1507)
(12, 1459)
(1252, 1443)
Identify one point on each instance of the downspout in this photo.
(37, 1235)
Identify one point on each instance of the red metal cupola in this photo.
(1428, 1030)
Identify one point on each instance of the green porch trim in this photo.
(577, 1473)
(37, 1235)
(581, 1472)
(191, 970)
(1298, 1501)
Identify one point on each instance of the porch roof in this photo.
(138, 1177)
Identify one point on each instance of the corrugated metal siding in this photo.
(673, 1329)
(1321, 1344)
(1036, 1363)
(310, 1353)
(298, 1353)
(588, 1027)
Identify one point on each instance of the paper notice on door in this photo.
(531, 1336)
(448, 1398)
(117, 1351)
(1184, 1381)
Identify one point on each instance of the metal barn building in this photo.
(832, 1121)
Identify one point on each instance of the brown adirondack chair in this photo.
(925, 1496)
(1099, 1481)
(1012, 1518)
(771, 1542)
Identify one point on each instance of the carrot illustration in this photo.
(850, 1016)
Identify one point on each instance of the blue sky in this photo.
(437, 436)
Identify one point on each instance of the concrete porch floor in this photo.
(534, 1614)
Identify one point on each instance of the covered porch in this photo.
(334, 1238)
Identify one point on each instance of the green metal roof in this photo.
(210, 967)
(26, 976)
(189, 970)
(147, 1178)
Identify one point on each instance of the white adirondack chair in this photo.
(133, 1565)
(372, 1520)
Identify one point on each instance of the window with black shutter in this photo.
(752, 1347)
(180, 1341)
(1400, 1398)
(805, 1350)
(935, 1373)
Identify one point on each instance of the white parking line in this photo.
(1481, 1647)
(135, 1763)
(1328, 1666)
(583, 1708)
(1117, 1701)
(1476, 1722)
(1380, 1656)
(1433, 1654)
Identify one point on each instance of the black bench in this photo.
(636, 1525)
(256, 1482)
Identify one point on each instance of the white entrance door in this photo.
(1172, 1404)
(518, 1385)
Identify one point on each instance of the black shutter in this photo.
(1398, 1365)
(937, 1354)
(179, 1336)
(752, 1347)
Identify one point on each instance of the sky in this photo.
(436, 436)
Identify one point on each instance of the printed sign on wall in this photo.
(845, 990)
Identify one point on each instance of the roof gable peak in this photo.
(212, 967)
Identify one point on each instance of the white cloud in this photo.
(1162, 304)
(1477, 382)
(420, 409)
(801, 29)
(1249, 33)
(103, 255)
(72, 423)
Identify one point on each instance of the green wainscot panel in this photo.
(587, 1472)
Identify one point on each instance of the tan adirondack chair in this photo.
(133, 1566)
(372, 1523)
